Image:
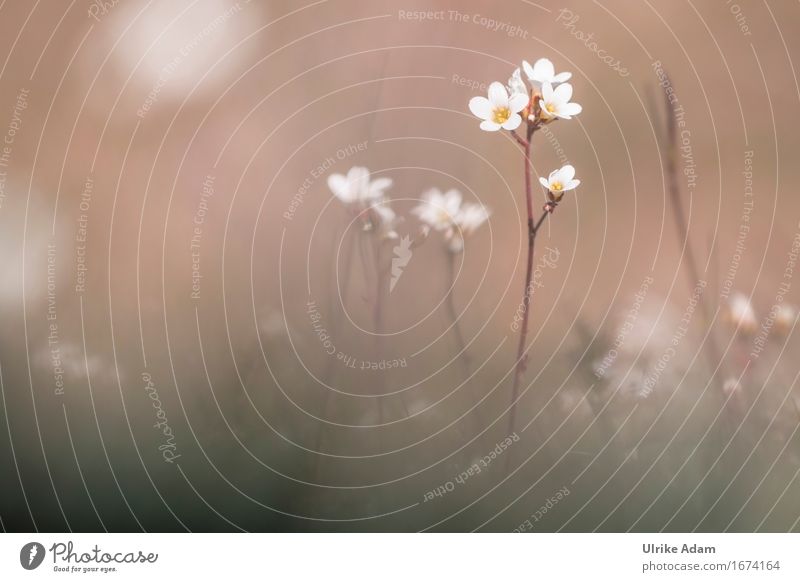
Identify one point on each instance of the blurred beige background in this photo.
(153, 140)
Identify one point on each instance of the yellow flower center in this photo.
(556, 186)
(500, 115)
(550, 107)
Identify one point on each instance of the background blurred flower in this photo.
(438, 210)
(446, 213)
(785, 318)
(356, 188)
(740, 314)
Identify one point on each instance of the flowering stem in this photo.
(451, 308)
(328, 374)
(378, 322)
(533, 227)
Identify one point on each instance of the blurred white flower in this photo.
(471, 217)
(382, 219)
(560, 181)
(730, 386)
(448, 214)
(785, 318)
(499, 110)
(356, 188)
(555, 102)
(439, 210)
(467, 221)
(740, 314)
(543, 72)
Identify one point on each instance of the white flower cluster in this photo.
(539, 95)
(447, 213)
(544, 97)
(739, 313)
(442, 212)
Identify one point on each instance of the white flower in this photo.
(730, 386)
(499, 110)
(467, 221)
(516, 84)
(561, 180)
(439, 210)
(470, 217)
(785, 318)
(356, 188)
(555, 102)
(543, 72)
(740, 313)
(446, 213)
(382, 219)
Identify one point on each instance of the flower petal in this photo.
(512, 122)
(498, 96)
(543, 70)
(563, 92)
(526, 66)
(566, 173)
(544, 182)
(452, 201)
(340, 187)
(489, 126)
(547, 91)
(377, 187)
(571, 109)
(518, 102)
(480, 107)
(572, 184)
(561, 77)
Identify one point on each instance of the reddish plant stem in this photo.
(533, 227)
